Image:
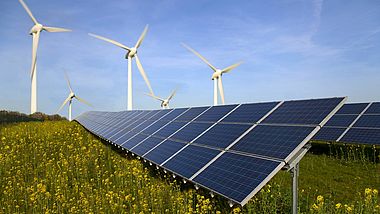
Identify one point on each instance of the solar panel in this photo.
(303, 111)
(190, 160)
(250, 113)
(232, 150)
(273, 141)
(222, 135)
(341, 120)
(357, 115)
(374, 108)
(237, 176)
(352, 108)
(362, 136)
(163, 151)
(329, 134)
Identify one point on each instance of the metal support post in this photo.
(295, 174)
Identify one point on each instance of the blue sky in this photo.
(292, 49)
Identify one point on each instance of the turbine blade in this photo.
(172, 95)
(110, 41)
(82, 100)
(143, 74)
(221, 91)
(154, 96)
(68, 81)
(55, 29)
(142, 36)
(200, 56)
(36, 38)
(28, 11)
(229, 68)
(64, 103)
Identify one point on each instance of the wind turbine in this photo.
(35, 32)
(216, 76)
(164, 102)
(131, 53)
(70, 98)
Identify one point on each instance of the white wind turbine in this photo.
(132, 53)
(35, 32)
(70, 98)
(164, 102)
(216, 76)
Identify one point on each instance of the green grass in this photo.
(58, 167)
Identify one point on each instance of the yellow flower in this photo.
(315, 207)
(368, 191)
(338, 205)
(320, 198)
(349, 209)
(236, 210)
(375, 191)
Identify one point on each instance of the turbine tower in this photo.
(164, 102)
(70, 98)
(216, 76)
(131, 53)
(35, 32)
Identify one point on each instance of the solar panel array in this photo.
(231, 150)
(357, 123)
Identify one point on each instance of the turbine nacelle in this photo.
(36, 28)
(218, 73)
(132, 52)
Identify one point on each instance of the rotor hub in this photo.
(36, 28)
(217, 74)
(132, 52)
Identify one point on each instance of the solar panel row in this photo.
(357, 123)
(231, 150)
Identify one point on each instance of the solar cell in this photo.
(362, 136)
(129, 144)
(146, 145)
(190, 160)
(311, 112)
(169, 129)
(174, 113)
(329, 134)
(191, 113)
(237, 176)
(374, 108)
(352, 108)
(163, 151)
(190, 131)
(215, 113)
(155, 126)
(273, 141)
(341, 120)
(249, 113)
(222, 135)
(372, 121)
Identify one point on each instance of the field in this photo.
(58, 167)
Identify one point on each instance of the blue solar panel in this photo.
(329, 134)
(190, 131)
(273, 141)
(249, 113)
(155, 126)
(164, 151)
(374, 108)
(352, 108)
(236, 176)
(133, 141)
(159, 114)
(169, 129)
(362, 136)
(222, 135)
(146, 145)
(303, 111)
(173, 114)
(190, 160)
(191, 113)
(372, 121)
(215, 113)
(341, 120)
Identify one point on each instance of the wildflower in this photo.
(368, 191)
(375, 191)
(320, 198)
(338, 205)
(315, 207)
(236, 210)
(349, 209)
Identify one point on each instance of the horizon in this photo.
(290, 50)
